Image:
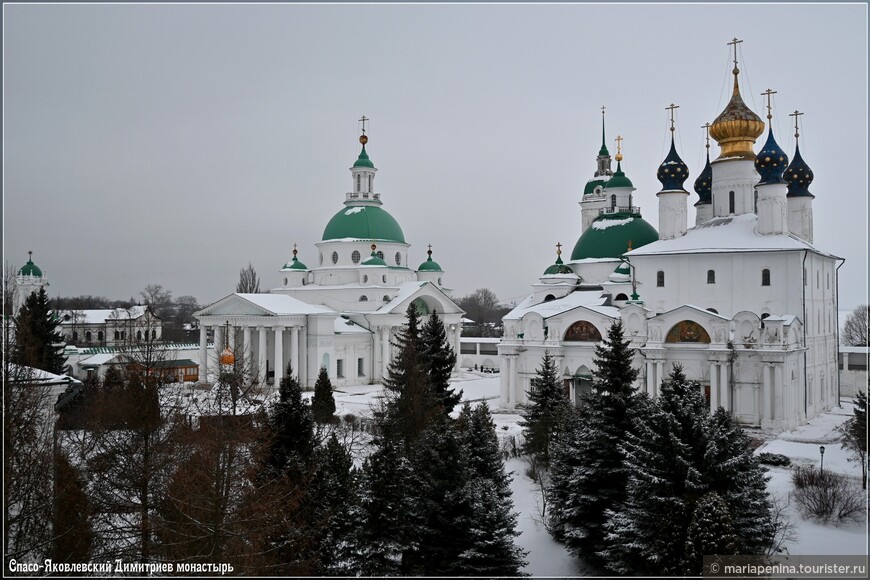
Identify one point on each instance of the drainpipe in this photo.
(837, 325)
(804, 301)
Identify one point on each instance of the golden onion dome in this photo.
(737, 127)
(227, 357)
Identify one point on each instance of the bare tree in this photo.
(856, 330)
(158, 298)
(249, 282)
(10, 288)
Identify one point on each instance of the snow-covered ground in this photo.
(548, 558)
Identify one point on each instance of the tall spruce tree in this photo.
(548, 412)
(38, 341)
(336, 495)
(710, 533)
(323, 403)
(439, 359)
(676, 454)
(587, 474)
(292, 429)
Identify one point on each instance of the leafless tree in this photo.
(784, 529)
(158, 298)
(249, 282)
(856, 330)
(10, 288)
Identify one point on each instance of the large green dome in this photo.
(30, 269)
(608, 236)
(363, 222)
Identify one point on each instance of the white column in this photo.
(725, 387)
(660, 375)
(512, 379)
(779, 393)
(261, 335)
(457, 345)
(218, 341)
(649, 378)
(765, 394)
(714, 387)
(247, 351)
(503, 377)
(303, 355)
(385, 351)
(294, 350)
(279, 353)
(203, 353)
(231, 338)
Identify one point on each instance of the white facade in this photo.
(745, 305)
(343, 314)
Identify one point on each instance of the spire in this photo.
(363, 159)
(798, 174)
(737, 127)
(704, 183)
(672, 173)
(603, 151)
(771, 160)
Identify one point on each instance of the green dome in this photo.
(430, 265)
(593, 183)
(608, 236)
(363, 159)
(619, 179)
(295, 264)
(363, 222)
(559, 267)
(30, 269)
(623, 269)
(373, 260)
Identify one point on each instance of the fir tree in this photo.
(854, 434)
(548, 411)
(38, 341)
(336, 485)
(587, 475)
(439, 359)
(292, 429)
(323, 404)
(73, 530)
(710, 533)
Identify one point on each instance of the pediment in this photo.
(234, 305)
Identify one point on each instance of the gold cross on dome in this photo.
(768, 93)
(558, 248)
(735, 42)
(602, 109)
(671, 109)
(618, 144)
(796, 114)
(363, 120)
(707, 128)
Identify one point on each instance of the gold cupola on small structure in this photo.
(737, 127)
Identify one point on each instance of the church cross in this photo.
(707, 128)
(796, 114)
(430, 251)
(735, 42)
(768, 93)
(363, 120)
(618, 143)
(558, 248)
(671, 109)
(29, 255)
(602, 109)
(294, 250)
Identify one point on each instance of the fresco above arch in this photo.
(688, 331)
(582, 331)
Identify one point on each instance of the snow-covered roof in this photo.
(406, 290)
(591, 299)
(101, 316)
(604, 223)
(345, 326)
(724, 234)
(31, 375)
(98, 359)
(281, 304)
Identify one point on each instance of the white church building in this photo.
(742, 300)
(342, 314)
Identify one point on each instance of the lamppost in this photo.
(822, 457)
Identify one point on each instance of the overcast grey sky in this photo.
(172, 144)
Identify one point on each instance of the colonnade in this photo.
(297, 348)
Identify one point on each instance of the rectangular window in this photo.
(857, 361)
(339, 368)
(467, 348)
(765, 277)
(360, 367)
(711, 276)
(488, 348)
(660, 279)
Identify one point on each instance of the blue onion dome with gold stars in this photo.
(771, 161)
(363, 159)
(704, 183)
(559, 266)
(799, 176)
(429, 265)
(672, 172)
(619, 179)
(295, 264)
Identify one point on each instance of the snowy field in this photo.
(548, 558)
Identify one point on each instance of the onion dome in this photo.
(798, 175)
(295, 264)
(609, 235)
(619, 179)
(363, 159)
(704, 183)
(558, 267)
(430, 265)
(373, 259)
(771, 161)
(30, 269)
(227, 357)
(737, 127)
(672, 172)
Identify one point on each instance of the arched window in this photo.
(75, 336)
(384, 278)
(363, 298)
(88, 336)
(439, 280)
(765, 315)
(398, 259)
(613, 201)
(621, 297)
(285, 281)
(582, 331)
(123, 335)
(713, 310)
(370, 183)
(355, 257)
(688, 331)
(335, 257)
(365, 278)
(421, 307)
(380, 255)
(386, 298)
(549, 297)
(153, 333)
(66, 317)
(359, 183)
(660, 279)
(755, 202)
(117, 335)
(765, 277)
(731, 205)
(138, 335)
(711, 276)
(100, 336)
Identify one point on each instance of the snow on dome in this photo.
(354, 210)
(605, 223)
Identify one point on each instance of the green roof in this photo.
(559, 267)
(30, 269)
(373, 260)
(295, 264)
(363, 159)
(619, 179)
(363, 222)
(593, 183)
(430, 265)
(608, 236)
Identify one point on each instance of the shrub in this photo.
(826, 496)
(773, 459)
